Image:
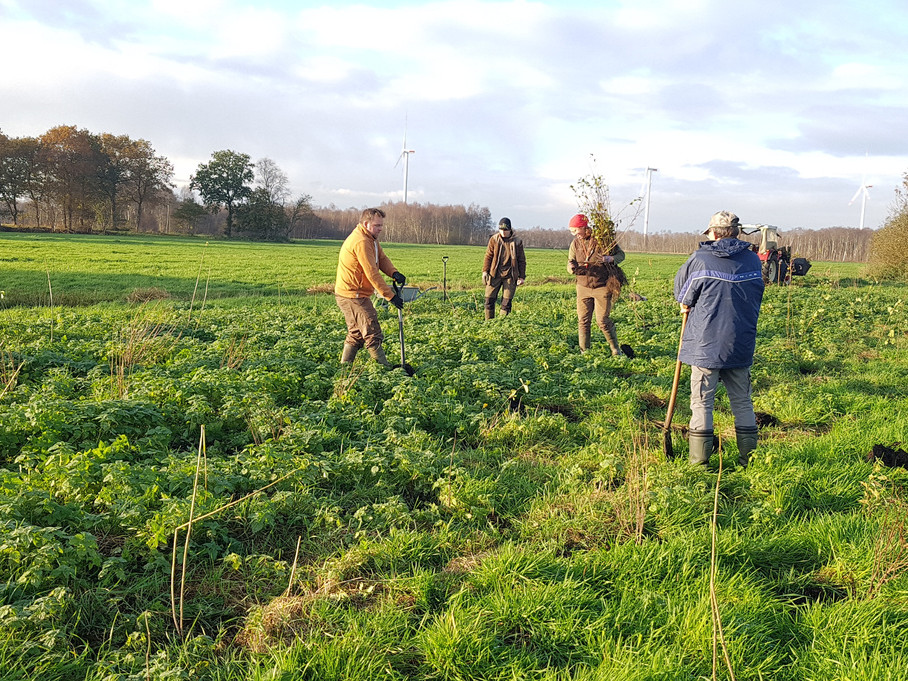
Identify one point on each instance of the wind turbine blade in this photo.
(856, 194)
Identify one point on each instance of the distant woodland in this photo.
(72, 180)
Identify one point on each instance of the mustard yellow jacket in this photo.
(360, 265)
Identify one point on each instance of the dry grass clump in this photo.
(146, 295)
(558, 279)
(463, 565)
(321, 288)
(292, 617)
(284, 618)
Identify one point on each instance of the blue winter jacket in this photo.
(723, 285)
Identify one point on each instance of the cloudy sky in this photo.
(776, 110)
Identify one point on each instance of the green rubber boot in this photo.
(747, 442)
(701, 446)
(349, 353)
(378, 354)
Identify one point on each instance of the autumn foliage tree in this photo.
(80, 181)
(72, 161)
(888, 254)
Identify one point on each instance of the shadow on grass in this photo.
(78, 289)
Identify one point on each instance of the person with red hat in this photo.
(599, 282)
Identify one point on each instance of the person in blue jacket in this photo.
(721, 289)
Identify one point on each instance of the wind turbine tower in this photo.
(405, 155)
(649, 183)
(864, 194)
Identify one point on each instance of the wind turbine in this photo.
(864, 194)
(649, 183)
(405, 155)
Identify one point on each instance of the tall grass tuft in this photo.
(143, 339)
(631, 500)
(9, 370)
(889, 508)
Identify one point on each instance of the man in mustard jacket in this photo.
(359, 270)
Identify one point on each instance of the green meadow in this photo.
(191, 487)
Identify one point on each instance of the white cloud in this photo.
(250, 32)
(866, 76)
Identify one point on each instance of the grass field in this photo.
(192, 487)
(90, 269)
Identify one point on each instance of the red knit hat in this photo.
(579, 221)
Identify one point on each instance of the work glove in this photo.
(397, 302)
(520, 282)
(486, 278)
(608, 258)
(399, 278)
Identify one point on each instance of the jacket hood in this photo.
(724, 248)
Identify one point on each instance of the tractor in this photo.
(778, 265)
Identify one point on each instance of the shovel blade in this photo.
(667, 444)
(408, 370)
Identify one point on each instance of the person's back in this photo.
(722, 283)
(720, 289)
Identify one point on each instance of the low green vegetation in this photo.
(191, 486)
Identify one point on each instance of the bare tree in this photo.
(273, 180)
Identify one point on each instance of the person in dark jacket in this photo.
(504, 268)
(721, 289)
(599, 282)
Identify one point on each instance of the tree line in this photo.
(73, 180)
(836, 244)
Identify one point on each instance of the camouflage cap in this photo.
(722, 219)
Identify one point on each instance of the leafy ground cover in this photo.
(192, 487)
